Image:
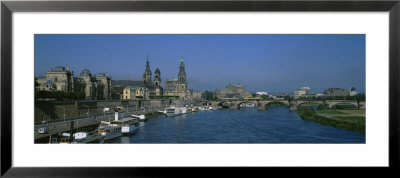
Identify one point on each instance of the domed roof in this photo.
(100, 74)
(85, 73)
(59, 69)
(157, 70)
(48, 83)
(353, 89)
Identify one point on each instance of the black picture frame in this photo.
(8, 7)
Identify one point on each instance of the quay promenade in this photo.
(84, 123)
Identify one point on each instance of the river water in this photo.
(276, 125)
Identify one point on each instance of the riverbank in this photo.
(353, 120)
(153, 114)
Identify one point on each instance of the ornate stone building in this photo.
(158, 90)
(353, 91)
(147, 88)
(178, 86)
(336, 92)
(97, 87)
(174, 87)
(232, 92)
(134, 92)
(61, 79)
(154, 87)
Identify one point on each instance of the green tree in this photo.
(265, 97)
(36, 83)
(208, 95)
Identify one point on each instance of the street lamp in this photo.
(64, 110)
(88, 110)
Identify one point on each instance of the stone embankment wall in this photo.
(51, 110)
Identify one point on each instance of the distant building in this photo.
(117, 92)
(260, 93)
(300, 92)
(148, 88)
(62, 78)
(232, 92)
(336, 92)
(196, 94)
(179, 86)
(48, 86)
(280, 96)
(157, 89)
(97, 87)
(132, 93)
(154, 87)
(309, 96)
(353, 91)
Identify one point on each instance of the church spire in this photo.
(182, 73)
(147, 73)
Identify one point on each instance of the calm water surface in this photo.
(276, 125)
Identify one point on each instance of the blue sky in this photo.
(272, 63)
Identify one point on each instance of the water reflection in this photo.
(275, 125)
(125, 139)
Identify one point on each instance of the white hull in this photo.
(128, 129)
(89, 139)
(173, 114)
(175, 111)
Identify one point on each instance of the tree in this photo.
(265, 97)
(36, 83)
(208, 95)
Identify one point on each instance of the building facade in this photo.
(150, 87)
(301, 92)
(232, 92)
(96, 87)
(61, 77)
(134, 92)
(178, 86)
(336, 92)
(353, 91)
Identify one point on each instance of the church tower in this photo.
(147, 73)
(157, 78)
(182, 77)
(158, 90)
(182, 73)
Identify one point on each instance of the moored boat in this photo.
(129, 125)
(110, 131)
(175, 111)
(85, 137)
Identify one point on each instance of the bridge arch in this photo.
(223, 104)
(239, 103)
(269, 104)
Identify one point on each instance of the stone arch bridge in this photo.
(294, 104)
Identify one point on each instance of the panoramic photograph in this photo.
(199, 88)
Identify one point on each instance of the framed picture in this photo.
(167, 84)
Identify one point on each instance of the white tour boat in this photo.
(175, 111)
(128, 125)
(85, 137)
